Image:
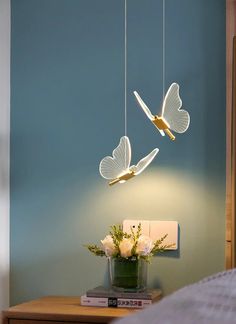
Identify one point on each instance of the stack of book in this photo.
(106, 297)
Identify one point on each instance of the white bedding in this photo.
(210, 301)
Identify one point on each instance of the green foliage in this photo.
(159, 247)
(118, 236)
(95, 250)
(135, 237)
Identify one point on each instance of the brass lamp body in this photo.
(161, 124)
(124, 177)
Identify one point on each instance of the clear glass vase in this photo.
(128, 274)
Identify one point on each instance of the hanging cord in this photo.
(163, 49)
(125, 67)
(125, 54)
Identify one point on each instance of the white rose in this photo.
(108, 246)
(125, 247)
(144, 245)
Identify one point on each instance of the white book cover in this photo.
(93, 301)
(114, 302)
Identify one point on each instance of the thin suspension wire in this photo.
(163, 49)
(125, 67)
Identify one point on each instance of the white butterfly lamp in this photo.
(117, 168)
(172, 116)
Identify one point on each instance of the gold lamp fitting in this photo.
(124, 177)
(161, 124)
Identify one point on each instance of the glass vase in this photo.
(128, 274)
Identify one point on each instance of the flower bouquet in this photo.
(128, 255)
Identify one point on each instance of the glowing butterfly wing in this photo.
(144, 106)
(112, 167)
(143, 163)
(178, 119)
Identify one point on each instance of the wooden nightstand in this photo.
(61, 310)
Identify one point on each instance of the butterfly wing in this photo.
(144, 162)
(178, 119)
(143, 106)
(112, 167)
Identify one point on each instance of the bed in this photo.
(210, 301)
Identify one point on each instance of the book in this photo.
(100, 291)
(114, 302)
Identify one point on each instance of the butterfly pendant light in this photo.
(172, 116)
(116, 168)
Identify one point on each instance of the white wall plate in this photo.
(131, 223)
(159, 228)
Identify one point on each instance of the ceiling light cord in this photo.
(163, 49)
(125, 57)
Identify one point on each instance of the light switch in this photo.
(159, 228)
(131, 223)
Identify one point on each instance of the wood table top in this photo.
(61, 308)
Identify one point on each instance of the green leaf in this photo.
(95, 250)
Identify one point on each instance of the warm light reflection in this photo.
(189, 197)
(160, 193)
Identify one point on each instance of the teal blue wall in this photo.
(67, 113)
